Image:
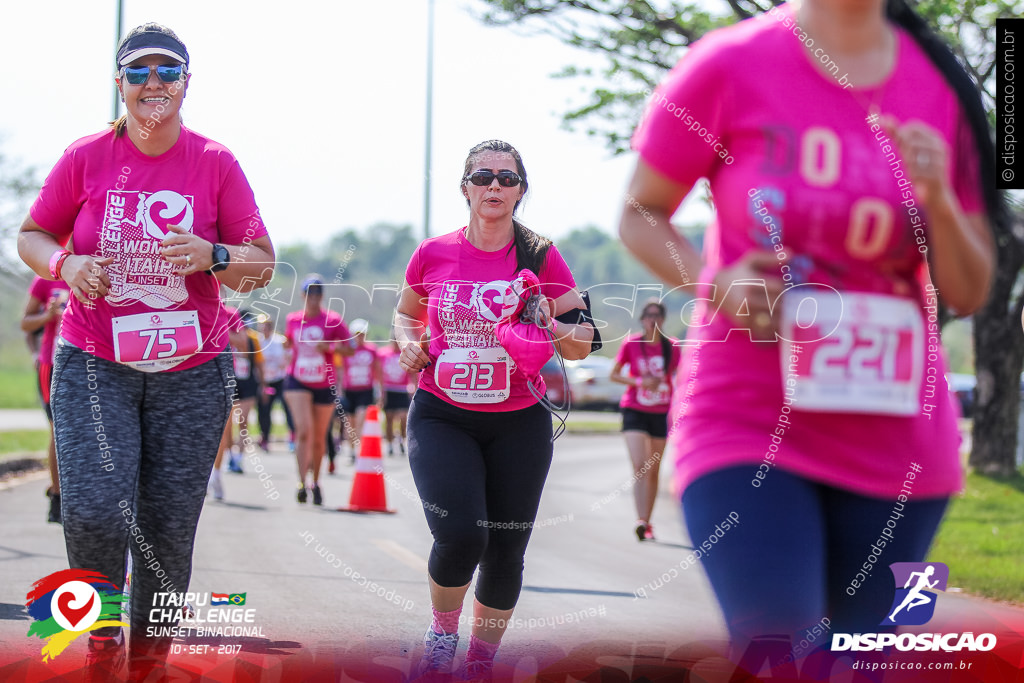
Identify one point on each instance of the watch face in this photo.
(221, 257)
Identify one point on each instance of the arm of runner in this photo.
(671, 257)
(652, 239)
(36, 315)
(250, 267)
(411, 329)
(84, 274)
(620, 377)
(573, 340)
(961, 248)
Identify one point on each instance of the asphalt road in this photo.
(302, 569)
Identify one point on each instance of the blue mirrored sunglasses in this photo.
(137, 75)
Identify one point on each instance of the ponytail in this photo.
(120, 126)
(666, 354)
(531, 248)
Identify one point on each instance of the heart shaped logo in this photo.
(75, 606)
(73, 615)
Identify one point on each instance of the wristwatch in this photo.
(221, 258)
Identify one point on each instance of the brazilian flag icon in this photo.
(237, 598)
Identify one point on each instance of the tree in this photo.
(18, 186)
(641, 41)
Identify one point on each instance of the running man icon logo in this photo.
(914, 603)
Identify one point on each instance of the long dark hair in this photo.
(901, 14)
(531, 248)
(666, 344)
(121, 124)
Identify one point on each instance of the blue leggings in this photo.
(789, 562)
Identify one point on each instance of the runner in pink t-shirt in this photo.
(360, 372)
(651, 358)
(158, 217)
(395, 390)
(839, 188)
(479, 443)
(47, 300)
(309, 389)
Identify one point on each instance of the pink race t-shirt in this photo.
(43, 290)
(393, 376)
(310, 366)
(114, 201)
(465, 287)
(796, 168)
(647, 360)
(358, 369)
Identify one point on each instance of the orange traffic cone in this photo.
(368, 486)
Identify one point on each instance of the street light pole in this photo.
(430, 111)
(117, 41)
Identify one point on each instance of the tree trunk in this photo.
(999, 355)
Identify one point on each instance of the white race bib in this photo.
(859, 353)
(242, 365)
(153, 342)
(653, 397)
(310, 367)
(474, 375)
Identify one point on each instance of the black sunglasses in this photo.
(137, 75)
(483, 178)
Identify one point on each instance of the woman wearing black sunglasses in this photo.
(479, 442)
(159, 217)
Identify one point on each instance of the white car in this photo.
(590, 383)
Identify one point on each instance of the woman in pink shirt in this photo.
(852, 174)
(47, 300)
(360, 369)
(310, 387)
(652, 358)
(479, 441)
(395, 384)
(159, 217)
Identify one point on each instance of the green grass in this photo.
(591, 426)
(982, 539)
(25, 440)
(18, 387)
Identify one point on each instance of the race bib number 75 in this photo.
(858, 353)
(153, 342)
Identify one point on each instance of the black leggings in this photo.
(266, 406)
(480, 476)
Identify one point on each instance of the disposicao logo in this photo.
(913, 605)
(68, 603)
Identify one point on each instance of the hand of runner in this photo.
(650, 382)
(190, 252)
(746, 291)
(86, 276)
(925, 157)
(414, 355)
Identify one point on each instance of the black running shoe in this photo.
(301, 495)
(54, 516)
(318, 497)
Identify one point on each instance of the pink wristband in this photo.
(56, 261)
(639, 382)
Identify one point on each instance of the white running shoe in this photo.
(438, 652)
(477, 671)
(217, 485)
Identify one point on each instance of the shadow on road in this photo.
(12, 612)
